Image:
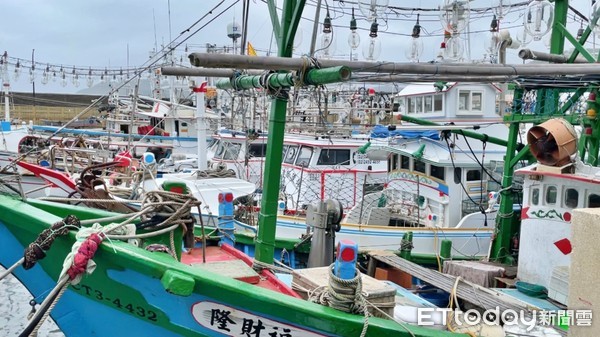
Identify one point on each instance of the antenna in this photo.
(155, 39)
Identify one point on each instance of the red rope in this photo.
(85, 252)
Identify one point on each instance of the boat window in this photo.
(334, 157)
(410, 104)
(428, 103)
(438, 102)
(183, 124)
(535, 196)
(232, 151)
(419, 104)
(304, 156)
(457, 175)
(291, 154)
(257, 150)
(593, 201)
(393, 162)
(220, 150)
(473, 175)
(571, 197)
(372, 188)
(551, 195)
(419, 166)
(285, 147)
(470, 101)
(436, 172)
(476, 101)
(405, 162)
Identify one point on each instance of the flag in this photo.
(251, 50)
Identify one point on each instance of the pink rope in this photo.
(85, 252)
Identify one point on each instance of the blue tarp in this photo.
(381, 131)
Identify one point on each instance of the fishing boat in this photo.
(152, 286)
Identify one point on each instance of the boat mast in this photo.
(285, 32)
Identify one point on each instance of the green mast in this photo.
(267, 220)
(547, 106)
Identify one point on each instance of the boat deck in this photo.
(226, 260)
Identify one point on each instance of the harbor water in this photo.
(14, 308)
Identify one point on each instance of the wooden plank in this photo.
(478, 295)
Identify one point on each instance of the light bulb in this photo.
(64, 80)
(595, 17)
(372, 9)
(17, 72)
(523, 38)
(492, 43)
(31, 75)
(538, 18)
(326, 45)
(414, 50)
(90, 81)
(45, 78)
(353, 39)
(372, 49)
(454, 49)
(454, 15)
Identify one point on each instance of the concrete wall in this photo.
(584, 292)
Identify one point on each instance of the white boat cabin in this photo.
(454, 100)
(313, 168)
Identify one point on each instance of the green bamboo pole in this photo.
(267, 219)
(286, 80)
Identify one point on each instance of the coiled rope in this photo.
(344, 295)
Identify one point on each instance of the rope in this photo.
(344, 295)
(37, 249)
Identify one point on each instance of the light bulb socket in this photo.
(494, 24)
(353, 25)
(416, 31)
(374, 27)
(327, 24)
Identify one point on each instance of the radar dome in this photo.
(234, 30)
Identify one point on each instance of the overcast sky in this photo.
(116, 33)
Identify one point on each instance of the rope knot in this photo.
(84, 254)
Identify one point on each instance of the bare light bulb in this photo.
(595, 17)
(353, 39)
(64, 82)
(414, 50)
(454, 15)
(454, 49)
(17, 72)
(45, 78)
(32, 75)
(372, 9)
(372, 49)
(90, 81)
(538, 18)
(326, 45)
(492, 43)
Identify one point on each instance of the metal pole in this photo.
(278, 63)
(313, 40)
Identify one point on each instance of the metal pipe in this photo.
(203, 72)
(528, 54)
(281, 63)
